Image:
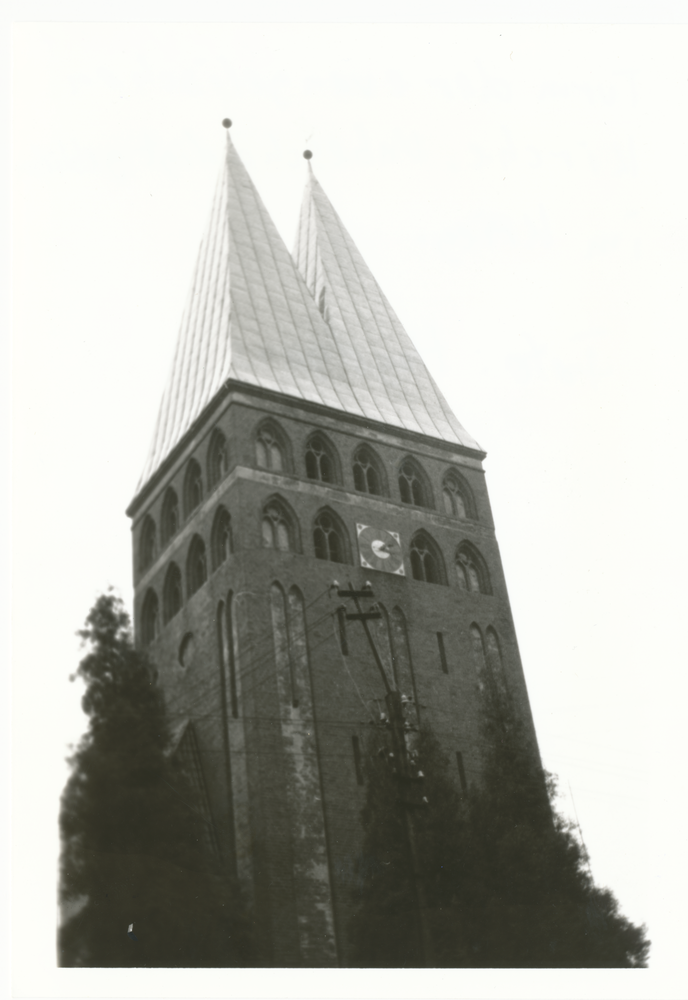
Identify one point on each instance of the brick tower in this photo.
(301, 440)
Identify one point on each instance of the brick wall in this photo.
(257, 787)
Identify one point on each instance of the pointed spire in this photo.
(249, 317)
(389, 377)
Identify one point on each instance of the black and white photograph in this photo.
(347, 549)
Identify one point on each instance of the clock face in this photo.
(380, 549)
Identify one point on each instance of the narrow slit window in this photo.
(231, 658)
(357, 760)
(443, 653)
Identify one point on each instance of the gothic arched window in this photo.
(217, 459)
(494, 659)
(456, 496)
(426, 559)
(270, 448)
(329, 538)
(193, 487)
(413, 484)
(368, 475)
(471, 571)
(172, 593)
(169, 522)
(278, 527)
(221, 537)
(227, 650)
(479, 661)
(150, 618)
(147, 543)
(320, 460)
(196, 565)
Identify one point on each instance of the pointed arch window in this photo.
(172, 593)
(196, 565)
(368, 476)
(221, 537)
(413, 484)
(193, 487)
(471, 571)
(320, 460)
(456, 497)
(289, 687)
(217, 458)
(426, 559)
(494, 659)
(270, 450)
(227, 650)
(329, 538)
(147, 544)
(277, 527)
(150, 618)
(170, 516)
(479, 660)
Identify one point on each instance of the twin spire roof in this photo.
(316, 327)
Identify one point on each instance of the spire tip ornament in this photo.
(226, 122)
(307, 155)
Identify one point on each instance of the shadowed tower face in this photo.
(301, 440)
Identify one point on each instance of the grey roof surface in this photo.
(387, 374)
(250, 317)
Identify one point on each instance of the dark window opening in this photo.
(217, 461)
(470, 571)
(357, 760)
(147, 544)
(424, 562)
(411, 486)
(197, 572)
(150, 620)
(172, 593)
(454, 500)
(367, 477)
(276, 533)
(327, 539)
(319, 462)
(443, 654)
(170, 516)
(221, 543)
(193, 491)
(268, 451)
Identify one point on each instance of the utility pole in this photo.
(409, 783)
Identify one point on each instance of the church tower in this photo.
(301, 440)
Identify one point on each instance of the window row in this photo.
(321, 464)
(272, 452)
(330, 543)
(196, 576)
(192, 496)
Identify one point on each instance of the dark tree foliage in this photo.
(132, 841)
(504, 882)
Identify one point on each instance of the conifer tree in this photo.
(506, 882)
(131, 840)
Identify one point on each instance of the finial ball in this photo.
(227, 122)
(307, 155)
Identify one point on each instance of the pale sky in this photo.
(519, 191)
